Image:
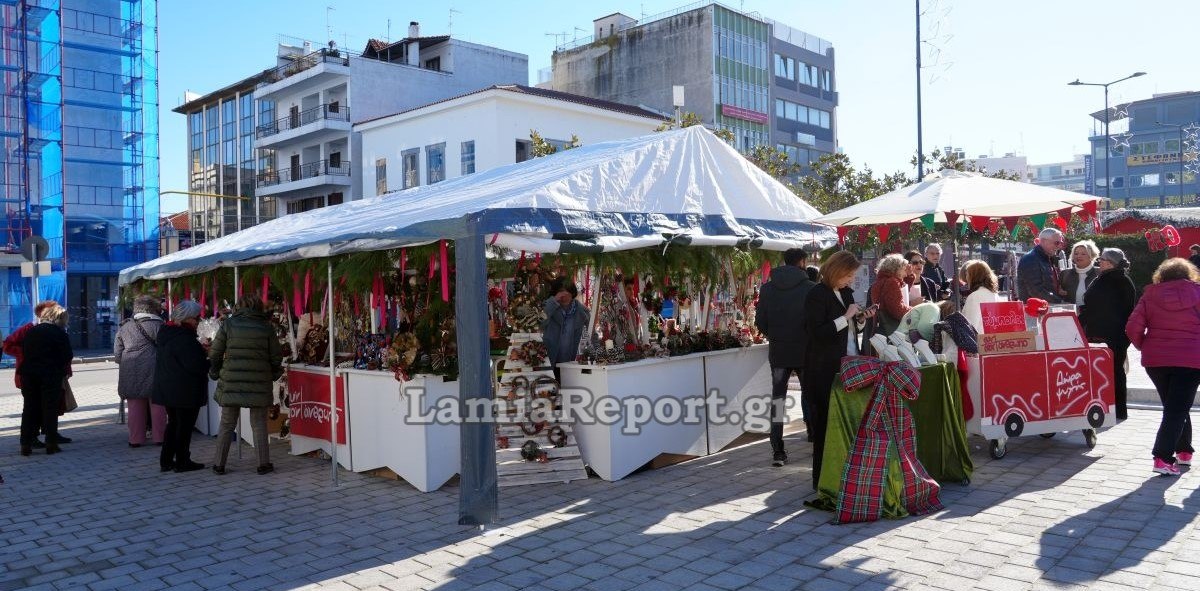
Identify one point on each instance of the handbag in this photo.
(68, 404)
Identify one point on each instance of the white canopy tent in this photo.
(955, 192)
(611, 196)
(680, 187)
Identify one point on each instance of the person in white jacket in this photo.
(982, 286)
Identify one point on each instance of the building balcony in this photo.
(318, 124)
(304, 177)
(304, 73)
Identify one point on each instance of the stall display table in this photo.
(737, 376)
(310, 413)
(614, 454)
(940, 432)
(385, 434)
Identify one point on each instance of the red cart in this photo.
(1067, 384)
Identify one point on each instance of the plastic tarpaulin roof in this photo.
(685, 185)
(965, 193)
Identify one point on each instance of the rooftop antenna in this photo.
(557, 42)
(328, 26)
(450, 25)
(388, 37)
(576, 38)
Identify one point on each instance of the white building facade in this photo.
(483, 130)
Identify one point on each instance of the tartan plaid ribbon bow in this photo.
(887, 425)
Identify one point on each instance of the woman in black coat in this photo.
(180, 385)
(45, 364)
(1107, 304)
(831, 326)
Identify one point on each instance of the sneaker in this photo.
(779, 459)
(1164, 468)
(1183, 458)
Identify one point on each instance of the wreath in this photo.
(652, 299)
(531, 353)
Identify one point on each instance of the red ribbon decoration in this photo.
(266, 286)
(203, 295)
(951, 218)
(766, 271)
(884, 231)
(1010, 222)
(216, 301)
(979, 222)
(445, 271)
(432, 269)
(862, 233)
(841, 232)
(297, 305)
(307, 289)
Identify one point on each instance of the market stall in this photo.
(674, 189)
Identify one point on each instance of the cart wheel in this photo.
(997, 449)
(1095, 417)
(1013, 425)
(1047, 435)
(1089, 437)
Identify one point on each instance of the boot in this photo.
(52, 448)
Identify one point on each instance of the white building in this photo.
(310, 153)
(482, 130)
(1068, 176)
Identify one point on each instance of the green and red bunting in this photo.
(927, 221)
(1039, 220)
(884, 231)
(979, 222)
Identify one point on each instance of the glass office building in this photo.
(79, 124)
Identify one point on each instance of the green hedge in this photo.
(1142, 262)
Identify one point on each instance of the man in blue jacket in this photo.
(1037, 273)
(780, 316)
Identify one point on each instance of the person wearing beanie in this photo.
(133, 350)
(1107, 304)
(180, 385)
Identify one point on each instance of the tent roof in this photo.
(611, 196)
(965, 193)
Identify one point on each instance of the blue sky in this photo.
(999, 83)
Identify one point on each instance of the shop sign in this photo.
(309, 413)
(746, 114)
(1164, 158)
(1002, 317)
(1008, 342)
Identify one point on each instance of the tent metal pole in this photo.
(477, 500)
(329, 318)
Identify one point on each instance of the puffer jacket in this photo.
(135, 353)
(1165, 324)
(246, 359)
(780, 315)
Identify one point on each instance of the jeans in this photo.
(779, 384)
(258, 425)
(1177, 390)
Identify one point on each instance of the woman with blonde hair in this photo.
(1165, 327)
(982, 286)
(891, 293)
(46, 361)
(1074, 282)
(831, 323)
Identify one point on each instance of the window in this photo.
(467, 158)
(1171, 178)
(523, 151)
(435, 163)
(335, 160)
(1171, 146)
(780, 108)
(410, 166)
(1144, 148)
(826, 80)
(1150, 180)
(825, 123)
(1118, 182)
(785, 67)
(380, 176)
(434, 64)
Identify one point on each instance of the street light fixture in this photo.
(1107, 139)
(1178, 127)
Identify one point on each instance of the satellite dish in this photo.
(35, 248)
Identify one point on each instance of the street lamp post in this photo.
(1107, 139)
(1179, 128)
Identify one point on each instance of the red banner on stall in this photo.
(1000, 317)
(308, 405)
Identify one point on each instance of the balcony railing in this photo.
(329, 112)
(304, 171)
(304, 62)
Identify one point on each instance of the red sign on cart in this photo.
(1001, 317)
(309, 413)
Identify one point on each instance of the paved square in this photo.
(1050, 515)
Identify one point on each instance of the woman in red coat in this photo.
(1165, 327)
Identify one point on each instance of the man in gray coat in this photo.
(780, 316)
(134, 350)
(566, 319)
